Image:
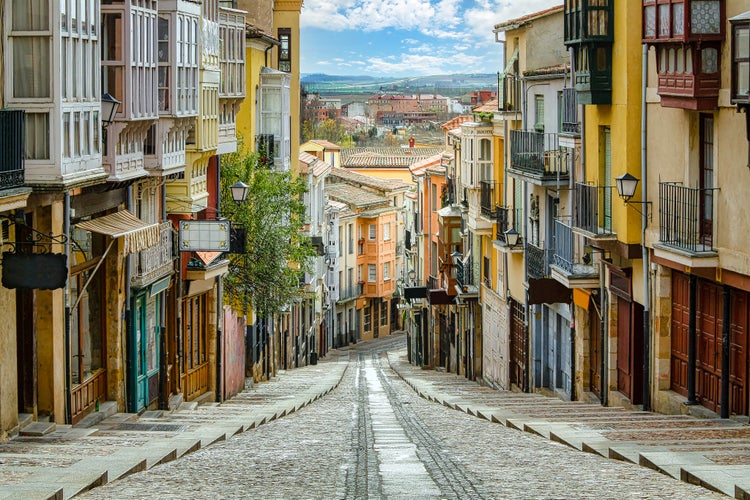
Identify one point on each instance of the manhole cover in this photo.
(129, 426)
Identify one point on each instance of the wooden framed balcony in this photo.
(592, 211)
(510, 86)
(536, 157)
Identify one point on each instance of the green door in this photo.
(145, 350)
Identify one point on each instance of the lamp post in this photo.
(239, 191)
(109, 109)
(626, 185)
(511, 237)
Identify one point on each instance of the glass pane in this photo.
(37, 136)
(30, 53)
(151, 327)
(111, 37)
(664, 19)
(743, 79)
(709, 60)
(705, 16)
(742, 42)
(678, 19)
(650, 22)
(32, 15)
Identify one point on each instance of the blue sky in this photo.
(395, 38)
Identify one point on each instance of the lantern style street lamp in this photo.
(511, 237)
(109, 108)
(626, 185)
(239, 191)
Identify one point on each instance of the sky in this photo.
(398, 38)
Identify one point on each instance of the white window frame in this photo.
(372, 273)
(372, 232)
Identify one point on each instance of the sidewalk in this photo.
(71, 460)
(711, 453)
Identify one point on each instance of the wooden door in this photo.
(679, 340)
(195, 355)
(518, 344)
(595, 352)
(708, 345)
(630, 350)
(738, 374)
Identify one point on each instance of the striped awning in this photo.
(136, 234)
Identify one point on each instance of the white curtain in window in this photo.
(31, 66)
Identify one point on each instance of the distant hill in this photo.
(447, 85)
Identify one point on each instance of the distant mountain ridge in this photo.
(449, 85)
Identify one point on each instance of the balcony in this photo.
(592, 211)
(153, 263)
(350, 292)
(571, 124)
(536, 157)
(570, 266)
(489, 191)
(510, 99)
(686, 218)
(537, 264)
(11, 148)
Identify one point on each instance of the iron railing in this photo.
(592, 208)
(489, 189)
(510, 87)
(537, 153)
(571, 125)
(350, 292)
(464, 275)
(564, 254)
(432, 283)
(486, 278)
(502, 220)
(155, 261)
(686, 217)
(12, 147)
(537, 266)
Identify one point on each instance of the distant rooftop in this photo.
(347, 176)
(385, 157)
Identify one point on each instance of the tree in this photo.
(267, 274)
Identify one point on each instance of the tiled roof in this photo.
(344, 175)
(419, 167)
(558, 69)
(354, 196)
(490, 106)
(326, 144)
(511, 24)
(309, 163)
(456, 122)
(385, 157)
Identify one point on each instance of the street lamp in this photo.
(109, 108)
(511, 237)
(239, 191)
(626, 185)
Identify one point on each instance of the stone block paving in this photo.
(714, 453)
(70, 460)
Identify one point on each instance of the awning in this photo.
(136, 234)
(439, 296)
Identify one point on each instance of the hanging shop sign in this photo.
(43, 271)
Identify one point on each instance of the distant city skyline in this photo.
(397, 38)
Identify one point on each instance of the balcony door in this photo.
(706, 202)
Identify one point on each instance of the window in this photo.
(359, 273)
(539, 113)
(383, 313)
(387, 271)
(285, 50)
(368, 319)
(350, 237)
(741, 61)
(372, 273)
(164, 69)
(387, 231)
(341, 241)
(372, 231)
(37, 136)
(433, 192)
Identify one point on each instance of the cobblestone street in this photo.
(375, 437)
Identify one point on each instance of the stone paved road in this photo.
(374, 437)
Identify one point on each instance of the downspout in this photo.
(644, 248)
(130, 402)
(219, 300)
(725, 338)
(163, 320)
(66, 299)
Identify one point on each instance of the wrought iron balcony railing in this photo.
(571, 125)
(12, 147)
(592, 209)
(489, 190)
(537, 265)
(538, 154)
(502, 222)
(686, 217)
(464, 275)
(350, 292)
(156, 261)
(565, 255)
(432, 283)
(510, 86)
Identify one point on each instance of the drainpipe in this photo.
(725, 354)
(66, 299)
(644, 248)
(219, 300)
(129, 362)
(163, 321)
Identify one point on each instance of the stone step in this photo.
(38, 429)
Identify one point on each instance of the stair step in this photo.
(38, 429)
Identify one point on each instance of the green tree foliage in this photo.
(277, 251)
(328, 130)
